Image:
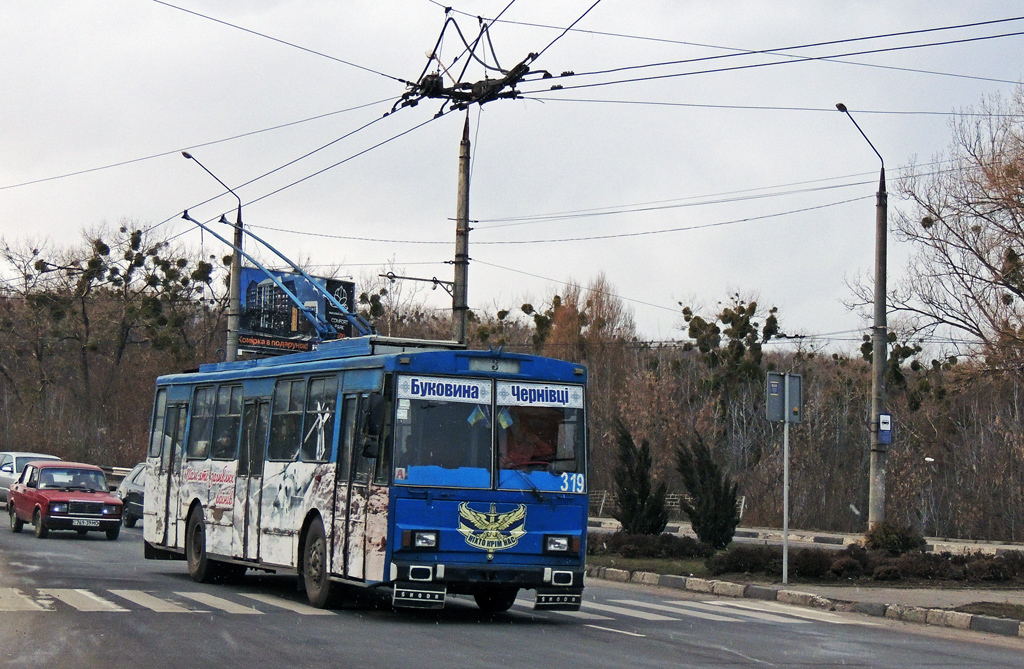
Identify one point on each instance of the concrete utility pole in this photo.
(460, 299)
(879, 347)
(235, 285)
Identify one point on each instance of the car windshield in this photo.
(72, 479)
(24, 460)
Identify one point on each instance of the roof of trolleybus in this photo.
(393, 354)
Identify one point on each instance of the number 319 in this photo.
(572, 482)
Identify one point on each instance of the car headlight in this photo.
(58, 507)
(111, 510)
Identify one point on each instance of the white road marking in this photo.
(796, 611)
(81, 599)
(609, 629)
(582, 615)
(675, 609)
(295, 607)
(622, 611)
(11, 599)
(755, 615)
(219, 603)
(150, 602)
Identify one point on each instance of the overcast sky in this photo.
(746, 178)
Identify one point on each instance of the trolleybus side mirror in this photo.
(374, 407)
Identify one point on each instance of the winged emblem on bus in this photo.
(492, 531)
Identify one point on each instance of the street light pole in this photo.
(879, 337)
(460, 292)
(235, 285)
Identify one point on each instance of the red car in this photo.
(63, 496)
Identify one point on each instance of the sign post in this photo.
(784, 403)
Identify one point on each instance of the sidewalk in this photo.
(931, 606)
(774, 536)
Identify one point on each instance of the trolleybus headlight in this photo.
(59, 507)
(420, 539)
(424, 539)
(559, 543)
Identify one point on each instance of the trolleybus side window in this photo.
(318, 432)
(159, 410)
(201, 428)
(286, 420)
(362, 466)
(225, 425)
(348, 436)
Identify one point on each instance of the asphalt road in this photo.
(87, 602)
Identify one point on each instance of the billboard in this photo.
(271, 323)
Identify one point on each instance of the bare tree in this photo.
(967, 274)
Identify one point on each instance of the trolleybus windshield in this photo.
(449, 433)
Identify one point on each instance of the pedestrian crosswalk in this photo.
(719, 611)
(120, 601)
(255, 604)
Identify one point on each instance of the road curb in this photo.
(910, 614)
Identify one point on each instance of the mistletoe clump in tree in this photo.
(641, 508)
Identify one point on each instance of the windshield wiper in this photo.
(533, 487)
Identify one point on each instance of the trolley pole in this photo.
(235, 284)
(460, 300)
(879, 342)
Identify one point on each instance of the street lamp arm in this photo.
(841, 107)
(229, 189)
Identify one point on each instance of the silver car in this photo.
(11, 465)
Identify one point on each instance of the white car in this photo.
(12, 463)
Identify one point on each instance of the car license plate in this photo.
(79, 522)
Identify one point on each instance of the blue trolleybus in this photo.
(418, 466)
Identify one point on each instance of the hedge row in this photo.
(853, 562)
(858, 562)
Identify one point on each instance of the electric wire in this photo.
(830, 110)
(646, 233)
(779, 51)
(698, 226)
(741, 51)
(280, 41)
(801, 59)
(575, 285)
(571, 26)
(192, 146)
(632, 209)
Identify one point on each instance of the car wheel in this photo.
(37, 522)
(129, 520)
(16, 523)
(113, 532)
(200, 567)
(315, 572)
(496, 600)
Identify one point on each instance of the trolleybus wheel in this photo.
(315, 572)
(37, 522)
(200, 567)
(496, 600)
(128, 520)
(16, 523)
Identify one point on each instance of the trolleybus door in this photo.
(249, 477)
(360, 472)
(170, 466)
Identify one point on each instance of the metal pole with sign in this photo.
(784, 403)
